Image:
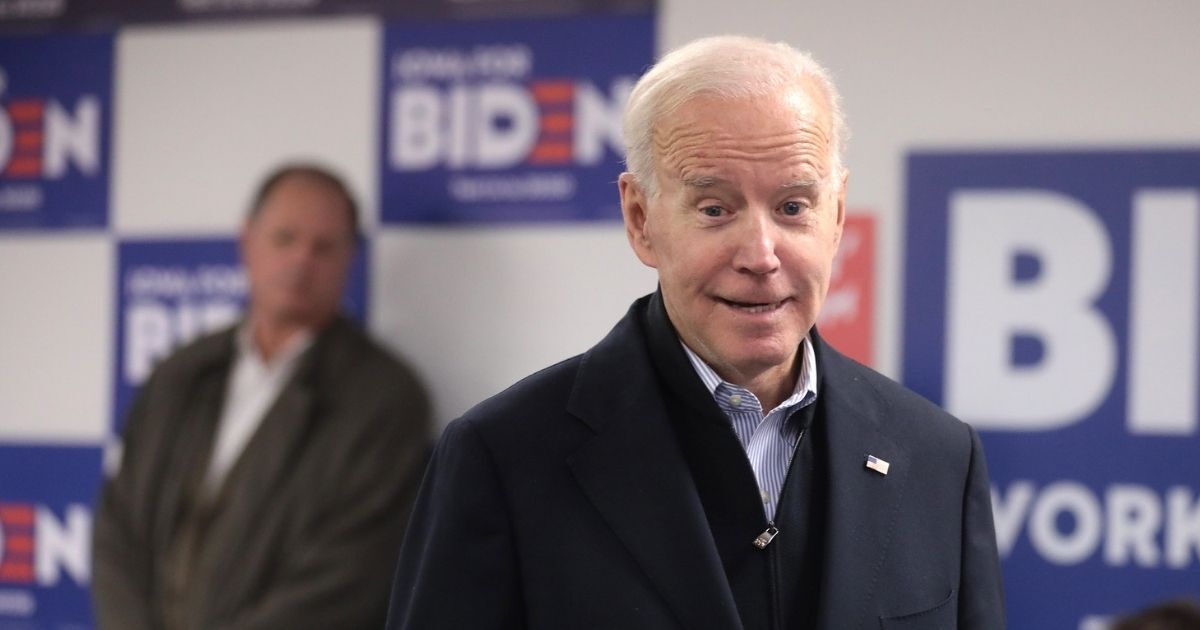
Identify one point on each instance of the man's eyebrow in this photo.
(809, 183)
(702, 181)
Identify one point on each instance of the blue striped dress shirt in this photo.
(770, 440)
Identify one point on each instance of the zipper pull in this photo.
(766, 537)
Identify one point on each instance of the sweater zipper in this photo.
(763, 540)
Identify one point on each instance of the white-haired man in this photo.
(712, 463)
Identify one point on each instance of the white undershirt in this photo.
(253, 386)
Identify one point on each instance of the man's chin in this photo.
(753, 357)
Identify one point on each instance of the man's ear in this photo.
(635, 210)
(841, 203)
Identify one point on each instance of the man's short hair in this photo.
(728, 67)
(314, 173)
(1179, 614)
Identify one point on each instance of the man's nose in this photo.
(756, 245)
(302, 254)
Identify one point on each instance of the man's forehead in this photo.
(294, 197)
(806, 101)
(299, 185)
(793, 159)
(711, 126)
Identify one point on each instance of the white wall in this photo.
(203, 111)
(1019, 74)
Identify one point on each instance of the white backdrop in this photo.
(201, 112)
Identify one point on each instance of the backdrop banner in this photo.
(42, 15)
(55, 95)
(491, 122)
(46, 534)
(1051, 300)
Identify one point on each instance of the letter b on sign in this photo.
(1043, 290)
(992, 308)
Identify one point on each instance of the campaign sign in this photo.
(172, 291)
(848, 316)
(1052, 300)
(46, 498)
(494, 121)
(47, 15)
(55, 95)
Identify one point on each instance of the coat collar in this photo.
(290, 418)
(264, 463)
(634, 473)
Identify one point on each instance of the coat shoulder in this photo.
(908, 412)
(175, 378)
(529, 400)
(364, 389)
(354, 356)
(198, 354)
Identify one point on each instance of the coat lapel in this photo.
(633, 472)
(265, 462)
(267, 455)
(186, 445)
(863, 503)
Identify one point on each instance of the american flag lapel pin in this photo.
(878, 465)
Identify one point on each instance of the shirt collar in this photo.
(806, 382)
(287, 355)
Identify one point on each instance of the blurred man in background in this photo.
(711, 463)
(268, 469)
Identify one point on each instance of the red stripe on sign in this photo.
(18, 544)
(24, 167)
(557, 123)
(28, 111)
(16, 514)
(29, 140)
(553, 91)
(13, 572)
(551, 153)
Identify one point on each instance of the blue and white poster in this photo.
(44, 15)
(55, 95)
(1052, 300)
(46, 495)
(172, 291)
(491, 121)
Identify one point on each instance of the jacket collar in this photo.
(635, 474)
(269, 454)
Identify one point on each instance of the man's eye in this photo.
(792, 208)
(713, 211)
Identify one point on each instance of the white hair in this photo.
(728, 67)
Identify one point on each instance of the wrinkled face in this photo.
(744, 228)
(297, 251)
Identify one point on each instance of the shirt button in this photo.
(736, 400)
(765, 497)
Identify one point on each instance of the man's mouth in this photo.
(753, 307)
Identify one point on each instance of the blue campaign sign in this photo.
(172, 291)
(46, 498)
(490, 121)
(1052, 299)
(55, 112)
